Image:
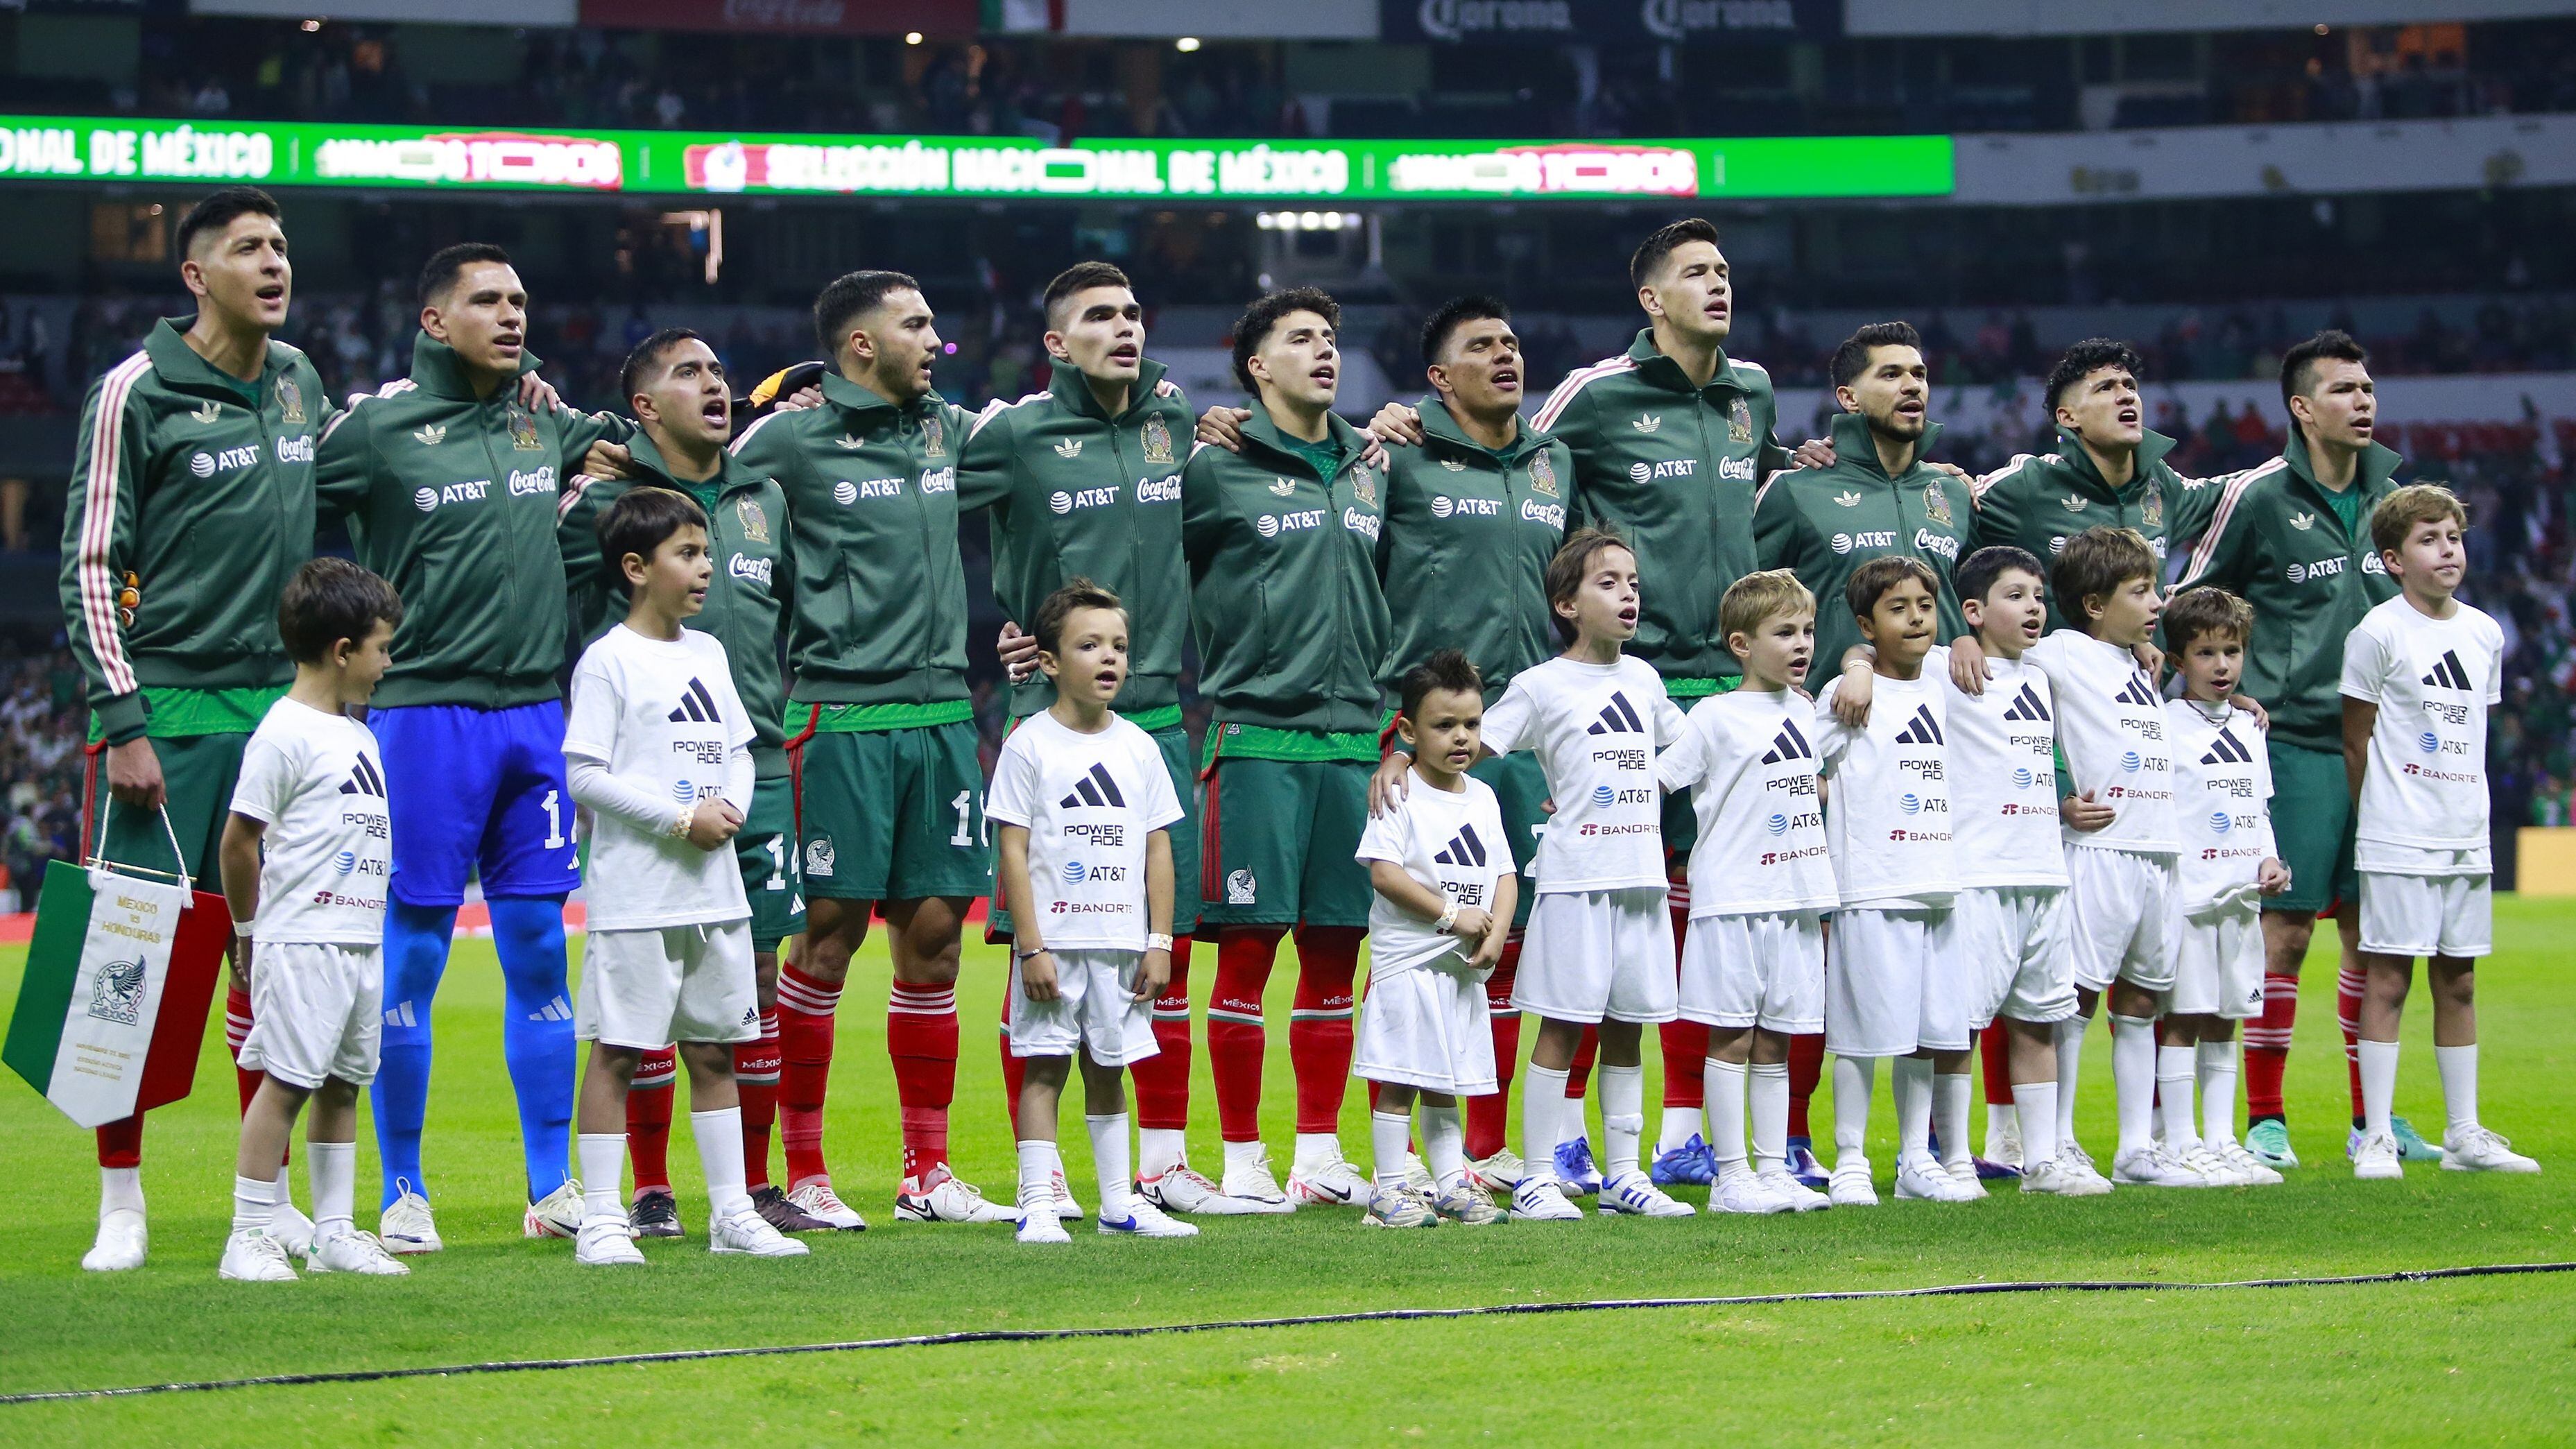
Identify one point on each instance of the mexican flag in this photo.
(120, 973)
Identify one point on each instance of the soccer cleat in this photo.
(750, 1233)
(1542, 1199)
(1253, 1182)
(1690, 1165)
(1990, 1169)
(1465, 1204)
(2003, 1145)
(355, 1252)
(1920, 1177)
(770, 1201)
(405, 1226)
(656, 1214)
(2411, 1146)
(1576, 1173)
(2213, 1166)
(1850, 1184)
(2374, 1157)
(1800, 1197)
(1745, 1192)
(606, 1240)
(122, 1242)
(1497, 1174)
(2155, 1167)
(1970, 1175)
(1144, 1220)
(2476, 1149)
(252, 1256)
(1333, 1184)
(1183, 1189)
(2269, 1142)
(2072, 1153)
(1399, 1207)
(2060, 1177)
(292, 1229)
(1634, 1194)
(940, 1197)
(1417, 1175)
(1068, 1208)
(2249, 1169)
(556, 1215)
(817, 1200)
(1802, 1165)
(1041, 1227)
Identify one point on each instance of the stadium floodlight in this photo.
(1186, 44)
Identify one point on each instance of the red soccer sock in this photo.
(1014, 1071)
(1578, 1075)
(120, 1143)
(1163, 1079)
(921, 1036)
(2348, 984)
(1806, 1068)
(1319, 1024)
(246, 1082)
(755, 1074)
(805, 1007)
(1685, 1043)
(1488, 1117)
(648, 1119)
(1994, 1053)
(2267, 1046)
(1236, 1042)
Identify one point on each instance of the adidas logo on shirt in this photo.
(2448, 674)
(2026, 706)
(2138, 692)
(1617, 718)
(1791, 745)
(696, 704)
(1096, 789)
(2226, 750)
(1466, 849)
(1923, 729)
(364, 780)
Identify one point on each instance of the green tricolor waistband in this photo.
(178, 714)
(851, 719)
(1262, 742)
(1700, 688)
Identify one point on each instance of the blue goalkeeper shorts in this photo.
(477, 793)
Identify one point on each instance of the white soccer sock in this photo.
(2459, 1068)
(2133, 1079)
(1854, 1079)
(2175, 1070)
(1037, 1171)
(1388, 1134)
(1444, 1146)
(603, 1163)
(254, 1202)
(2035, 1103)
(2217, 1063)
(2378, 1083)
(1913, 1084)
(333, 1167)
(1159, 1150)
(120, 1189)
(1679, 1125)
(1623, 1117)
(1109, 1160)
(2001, 1120)
(1725, 1084)
(285, 1186)
(1768, 1091)
(1542, 1099)
(1950, 1113)
(719, 1137)
(1316, 1151)
(2070, 1072)
(1243, 1154)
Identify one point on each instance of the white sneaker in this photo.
(1401, 1207)
(1634, 1194)
(559, 1214)
(1539, 1199)
(1042, 1227)
(1144, 1220)
(1780, 1183)
(2374, 1158)
(252, 1256)
(1497, 1174)
(1963, 1174)
(2250, 1170)
(1920, 1177)
(816, 1199)
(606, 1241)
(1745, 1192)
(1331, 1184)
(292, 1229)
(1254, 1183)
(1068, 1208)
(1850, 1184)
(2063, 1178)
(2004, 1145)
(2213, 1167)
(1467, 1204)
(2476, 1149)
(122, 1242)
(2155, 1167)
(406, 1226)
(943, 1198)
(748, 1232)
(1417, 1175)
(355, 1252)
(1183, 1189)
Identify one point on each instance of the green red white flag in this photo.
(120, 973)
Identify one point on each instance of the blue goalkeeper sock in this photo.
(536, 1032)
(415, 958)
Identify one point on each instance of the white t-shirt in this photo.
(2111, 724)
(1451, 841)
(2425, 788)
(1087, 802)
(662, 718)
(2222, 803)
(1596, 728)
(1752, 756)
(2003, 774)
(1888, 818)
(317, 781)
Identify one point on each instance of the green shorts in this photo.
(893, 814)
(1280, 842)
(1174, 742)
(2312, 828)
(765, 848)
(1520, 788)
(198, 772)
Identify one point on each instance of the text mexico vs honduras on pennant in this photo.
(113, 1005)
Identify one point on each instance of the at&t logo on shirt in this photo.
(470, 491)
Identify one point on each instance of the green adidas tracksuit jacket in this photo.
(190, 506)
(454, 498)
(2273, 538)
(1673, 468)
(1824, 523)
(1076, 493)
(877, 611)
(1463, 557)
(2039, 501)
(747, 534)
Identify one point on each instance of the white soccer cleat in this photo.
(2476, 1149)
(1540, 1199)
(748, 1232)
(1060, 1192)
(943, 1198)
(2250, 1170)
(355, 1252)
(2060, 1177)
(1745, 1192)
(1333, 1184)
(606, 1241)
(406, 1226)
(1417, 1175)
(1850, 1185)
(2374, 1158)
(1400, 1207)
(1144, 1220)
(559, 1214)
(122, 1242)
(252, 1256)
(1920, 1177)
(1468, 1205)
(1784, 1185)
(1041, 1227)
(1497, 1174)
(1183, 1189)
(2213, 1166)
(2155, 1167)
(1963, 1172)
(292, 1229)
(2003, 1142)
(1634, 1194)
(816, 1199)
(1254, 1183)
(2077, 1160)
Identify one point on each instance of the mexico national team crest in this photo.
(2151, 505)
(755, 520)
(1156, 439)
(934, 436)
(1542, 473)
(290, 402)
(523, 431)
(1936, 501)
(1739, 422)
(818, 856)
(1364, 485)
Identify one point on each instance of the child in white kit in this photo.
(657, 751)
(1441, 868)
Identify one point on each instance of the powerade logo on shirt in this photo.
(472, 490)
(1874, 538)
(1669, 468)
(1551, 514)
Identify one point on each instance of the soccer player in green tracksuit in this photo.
(1472, 517)
(1291, 626)
(2292, 538)
(881, 727)
(190, 505)
(677, 388)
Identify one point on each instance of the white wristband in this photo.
(1157, 941)
(688, 816)
(1448, 919)
(241, 929)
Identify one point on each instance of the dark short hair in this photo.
(2088, 357)
(1870, 582)
(2094, 564)
(1445, 669)
(213, 213)
(1851, 359)
(2299, 364)
(1080, 277)
(1663, 241)
(849, 296)
(1455, 313)
(1566, 571)
(1077, 593)
(446, 264)
(647, 353)
(331, 599)
(2206, 610)
(638, 523)
(1976, 574)
(1253, 327)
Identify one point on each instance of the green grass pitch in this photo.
(2473, 1359)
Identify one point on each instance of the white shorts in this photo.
(1895, 983)
(2120, 911)
(2218, 964)
(1591, 955)
(1764, 969)
(1095, 1006)
(316, 1011)
(2013, 939)
(651, 988)
(2428, 915)
(1430, 1029)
